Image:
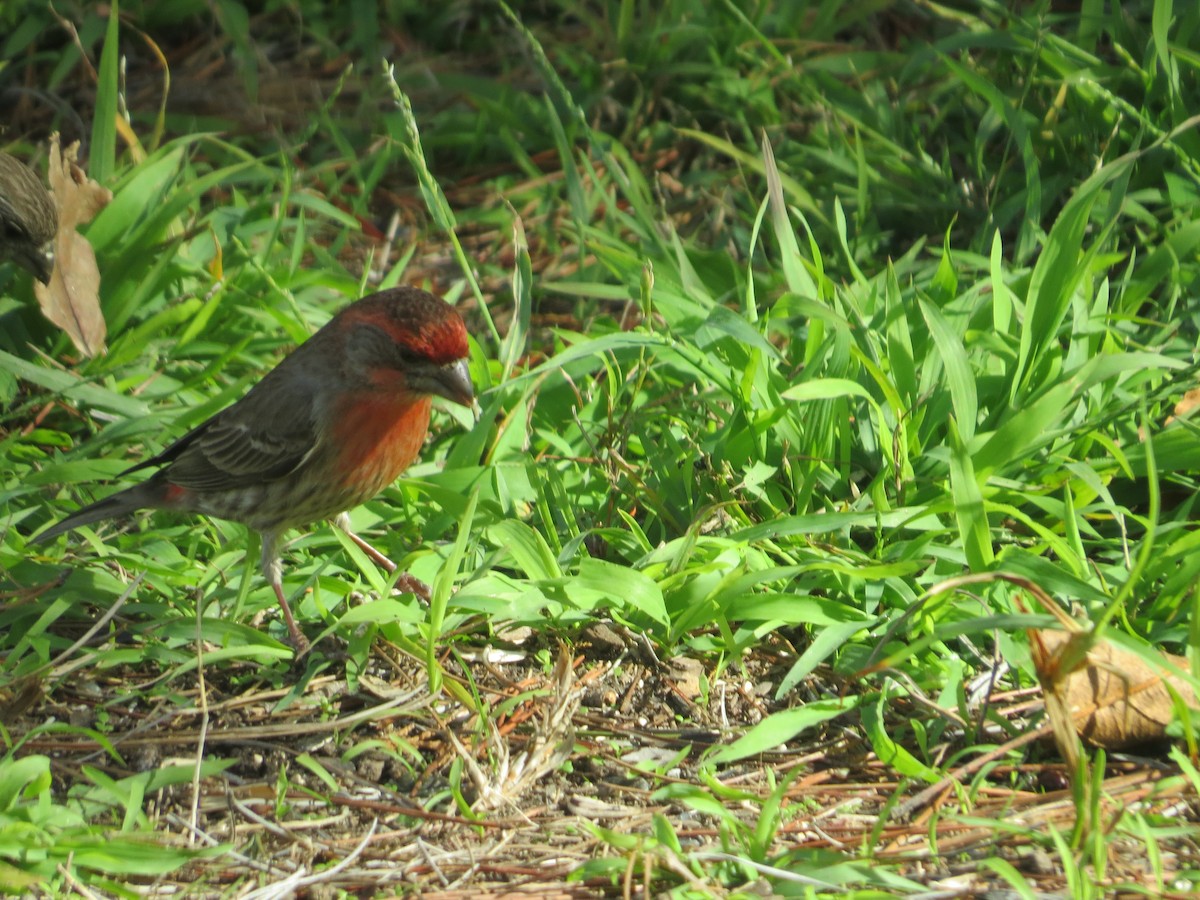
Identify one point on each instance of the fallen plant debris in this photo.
(340, 788)
(1115, 697)
(72, 298)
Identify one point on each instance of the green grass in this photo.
(783, 315)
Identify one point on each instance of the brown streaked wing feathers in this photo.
(262, 437)
(230, 455)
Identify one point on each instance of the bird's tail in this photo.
(117, 504)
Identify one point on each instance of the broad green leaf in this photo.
(1058, 271)
(958, 370)
(969, 508)
(102, 156)
(779, 728)
(794, 272)
(527, 547)
(825, 389)
(889, 752)
(630, 586)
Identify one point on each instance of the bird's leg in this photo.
(273, 571)
(405, 582)
(297, 639)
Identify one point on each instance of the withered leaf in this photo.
(1187, 404)
(72, 298)
(1115, 698)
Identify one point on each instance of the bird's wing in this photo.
(235, 454)
(262, 437)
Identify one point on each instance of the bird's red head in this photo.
(408, 338)
(426, 326)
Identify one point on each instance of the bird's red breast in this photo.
(378, 435)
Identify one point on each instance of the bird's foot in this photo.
(408, 584)
(299, 643)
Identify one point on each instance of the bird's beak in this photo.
(40, 261)
(452, 381)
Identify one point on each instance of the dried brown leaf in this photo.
(1186, 405)
(72, 298)
(1115, 698)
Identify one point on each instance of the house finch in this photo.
(326, 429)
(28, 219)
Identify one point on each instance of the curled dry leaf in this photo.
(72, 298)
(1092, 687)
(1095, 690)
(1114, 697)
(1186, 405)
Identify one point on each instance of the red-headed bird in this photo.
(325, 430)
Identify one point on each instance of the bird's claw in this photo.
(408, 584)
